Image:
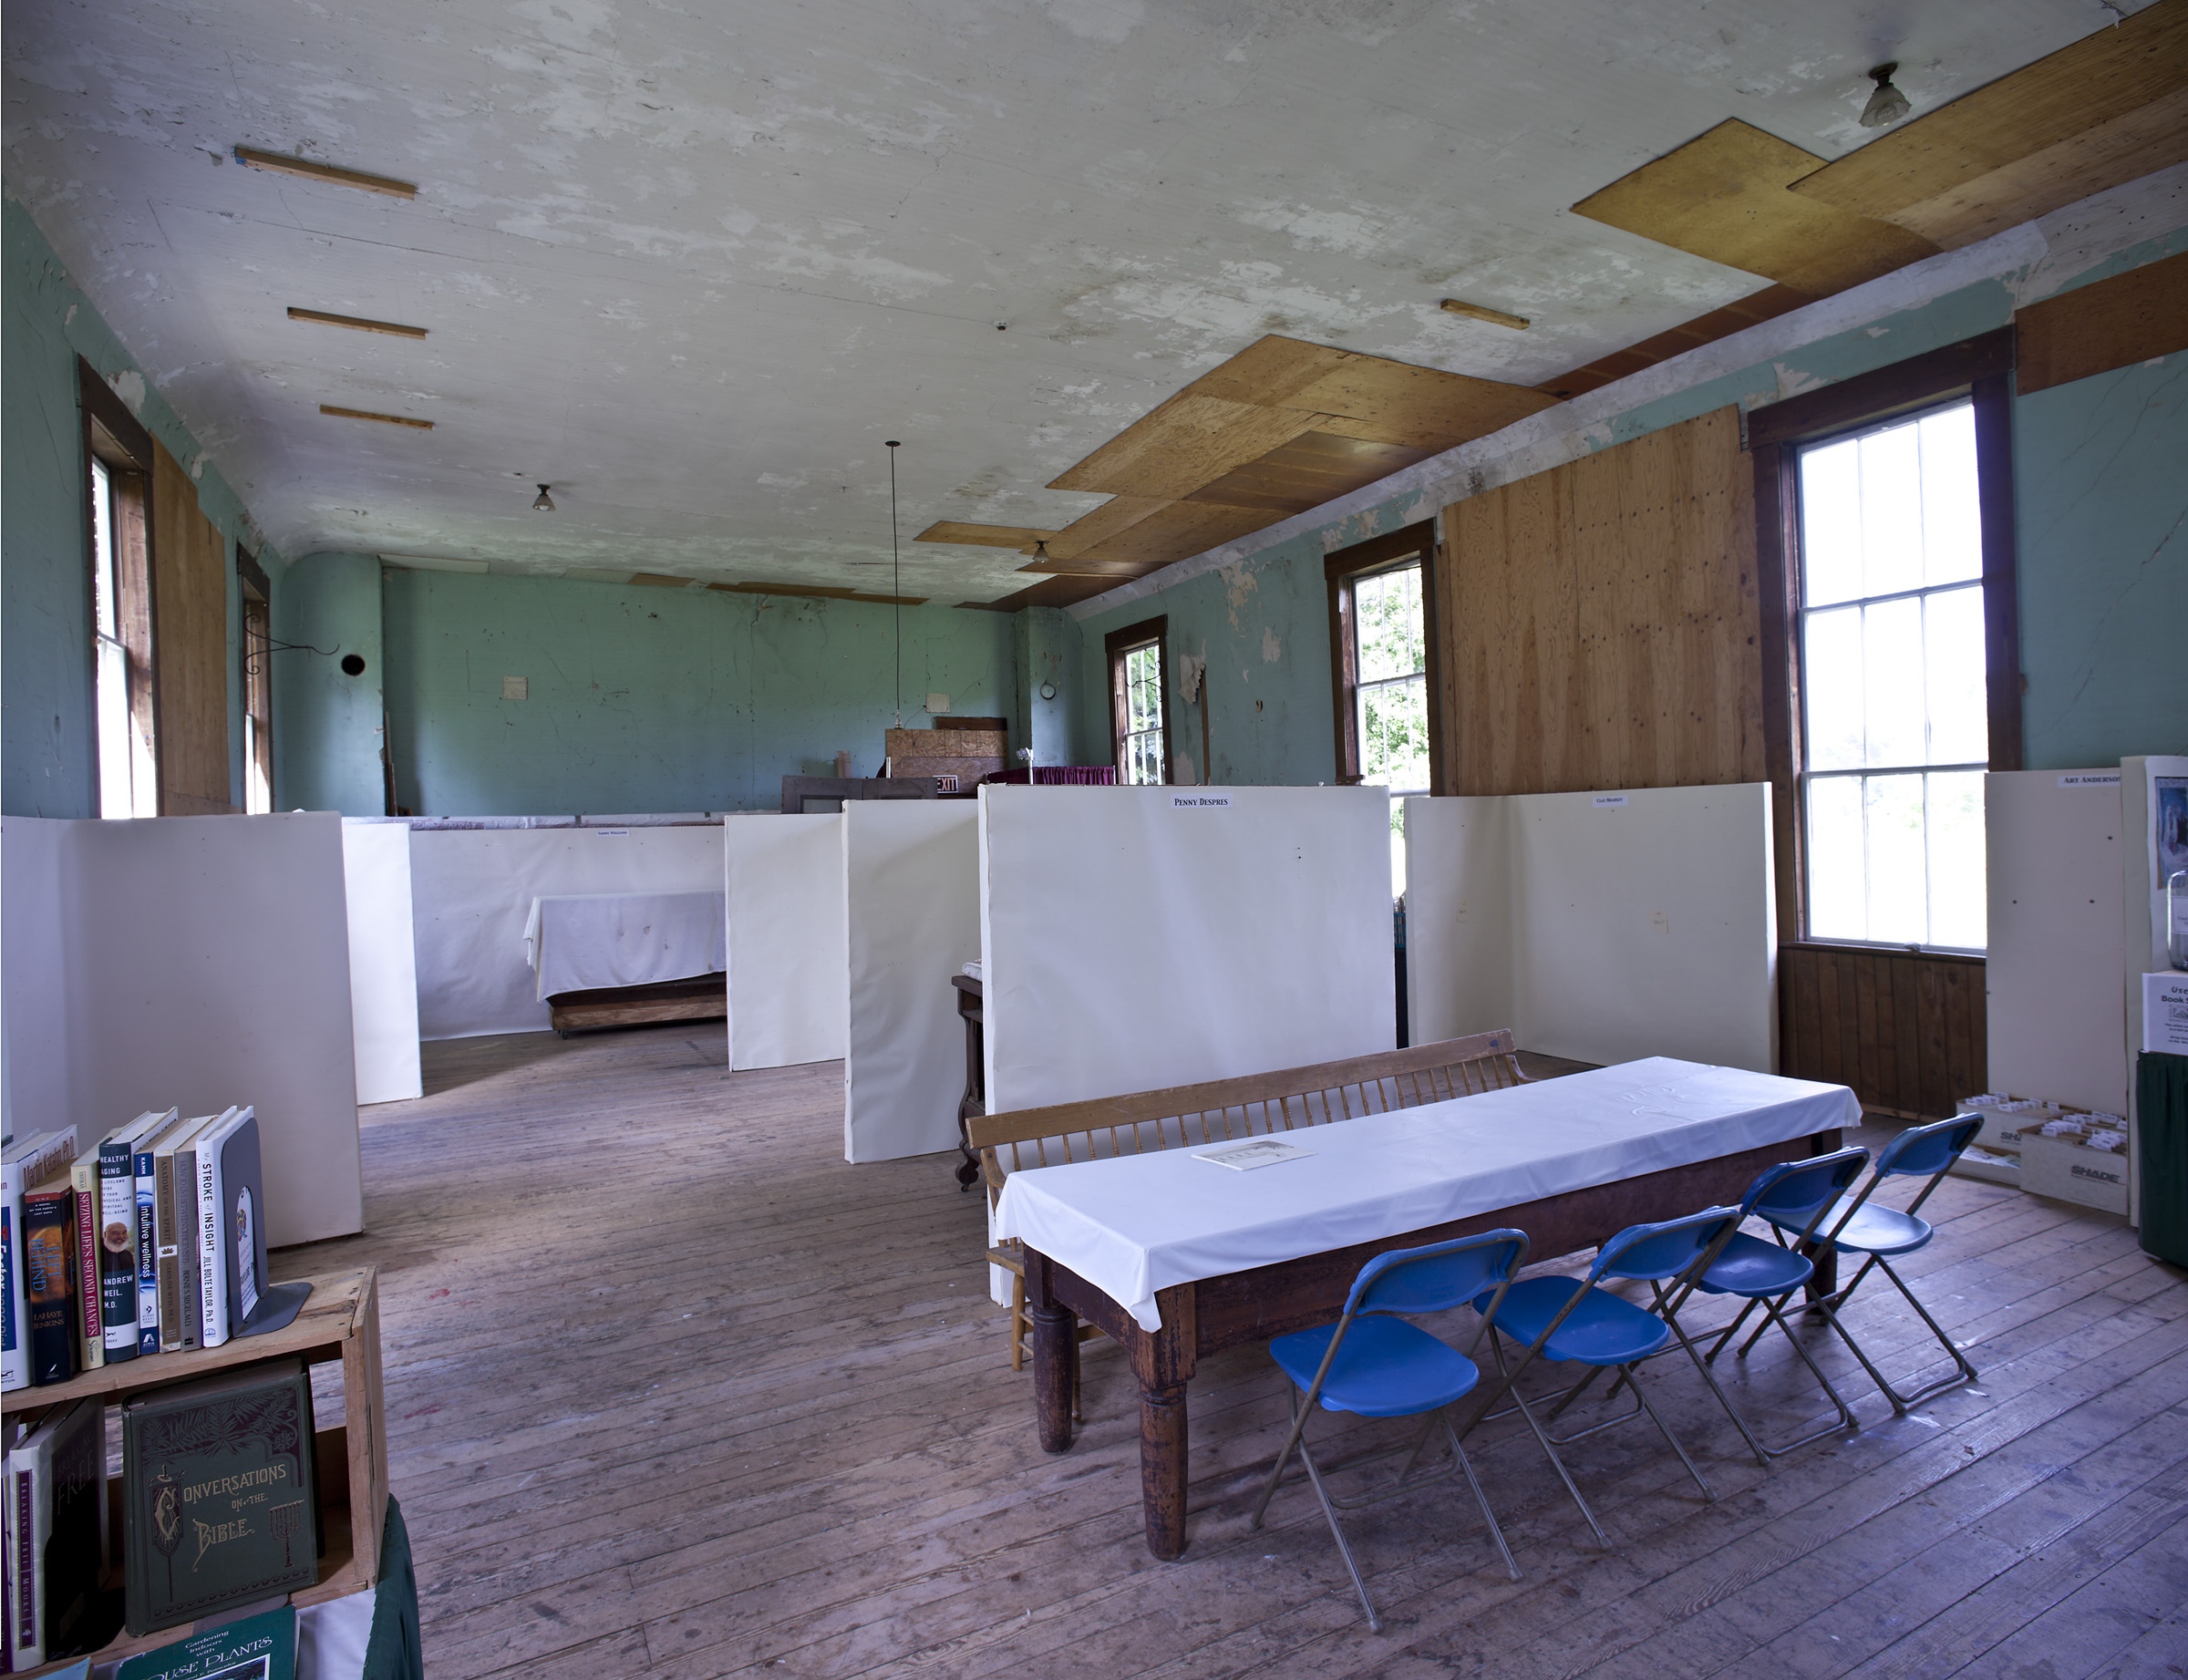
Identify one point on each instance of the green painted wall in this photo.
(46, 763)
(326, 723)
(2101, 471)
(648, 699)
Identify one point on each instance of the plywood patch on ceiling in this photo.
(2101, 112)
(1093, 528)
(1185, 443)
(1723, 196)
(1019, 537)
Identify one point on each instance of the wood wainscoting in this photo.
(1905, 1029)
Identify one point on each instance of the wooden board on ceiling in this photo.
(2106, 325)
(1268, 372)
(2150, 137)
(1724, 196)
(1093, 528)
(1414, 408)
(1179, 532)
(2109, 74)
(983, 536)
(1306, 472)
(1182, 445)
(190, 645)
(1116, 569)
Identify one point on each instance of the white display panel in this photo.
(785, 882)
(912, 901)
(472, 893)
(193, 961)
(2054, 851)
(1132, 940)
(383, 961)
(1634, 924)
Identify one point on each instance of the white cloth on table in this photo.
(1133, 1224)
(585, 941)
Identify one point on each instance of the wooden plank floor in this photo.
(673, 1391)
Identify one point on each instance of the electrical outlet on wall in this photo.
(1659, 921)
(516, 688)
(938, 703)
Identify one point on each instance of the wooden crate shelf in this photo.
(340, 1324)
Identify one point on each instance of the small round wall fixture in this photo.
(543, 502)
(1047, 691)
(353, 664)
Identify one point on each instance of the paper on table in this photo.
(1245, 1157)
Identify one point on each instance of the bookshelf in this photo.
(339, 1324)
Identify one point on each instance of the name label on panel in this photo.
(1199, 801)
(1609, 802)
(2102, 778)
(613, 833)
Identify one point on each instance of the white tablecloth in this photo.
(1134, 1224)
(585, 941)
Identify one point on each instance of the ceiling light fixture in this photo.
(896, 578)
(1887, 105)
(543, 502)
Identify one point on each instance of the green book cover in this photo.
(255, 1648)
(218, 1489)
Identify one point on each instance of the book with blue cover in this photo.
(261, 1647)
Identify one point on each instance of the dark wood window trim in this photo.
(1340, 572)
(1148, 632)
(257, 592)
(117, 439)
(1980, 368)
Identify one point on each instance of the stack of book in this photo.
(150, 1240)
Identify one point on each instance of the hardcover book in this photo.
(174, 1232)
(261, 1647)
(118, 1234)
(49, 1280)
(148, 1327)
(27, 1163)
(213, 1243)
(217, 1485)
(58, 1487)
(90, 1327)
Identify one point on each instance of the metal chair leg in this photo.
(1707, 1491)
(1495, 1531)
(1964, 1370)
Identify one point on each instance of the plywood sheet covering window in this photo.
(1598, 622)
(189, 606)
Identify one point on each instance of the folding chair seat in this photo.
(1881, 1233)
(1763, 1273)
(1571, 1319)
(1373, 1364)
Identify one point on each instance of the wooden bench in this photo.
(1194, 1116)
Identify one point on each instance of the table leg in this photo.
(1162, 1468)
(1824, 1281)
(1054, 1353)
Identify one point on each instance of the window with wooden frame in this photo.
(117, 472)
(1383, 669)
(1138, 657)
(1887, 576)
(258, 683)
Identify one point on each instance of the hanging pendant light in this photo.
(543, 502)
(1887, 105)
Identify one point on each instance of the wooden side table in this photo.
(975, 1100)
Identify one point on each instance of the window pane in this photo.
(1892, 684)
(1952, 528)
(114, 786)
(1831, 664)
(1957, 916)
(1837, 891)
(102, 550)
(1387, 616)
(1831, 524)
(1394, 734)
(1952, 660)
(1891, 511)
(1898, 864)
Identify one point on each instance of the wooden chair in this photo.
(1185, 1116)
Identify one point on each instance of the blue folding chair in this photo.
(1375, 1365)
(1798, 1194)
(1568, 1318)
(1880, 1233)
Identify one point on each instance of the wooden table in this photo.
(1217, 1313)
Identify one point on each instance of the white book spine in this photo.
(212, 1292)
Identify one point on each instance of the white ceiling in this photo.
(693, 263)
